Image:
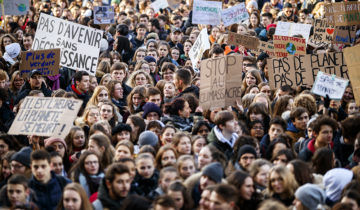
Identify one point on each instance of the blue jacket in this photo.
(48, 195)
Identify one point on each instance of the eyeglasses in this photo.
(91, 162)
(247, 158)
(16, 166)
(258, 128)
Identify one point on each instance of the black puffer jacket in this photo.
(145, 187)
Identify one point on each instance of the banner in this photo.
(197, 50)
(220, 81)
(265, 47)
(285, 46)
(15, 7)
(345, 34)
(159, 4)
(292, 29)
(206, 12)
(104, 15)
(246, 41)
(343, 13)
(234, 14)
(80, 45)
(326, 84)
(45, 116)
(352, 58)
(47, 61)
(323, 32)
(302, 70)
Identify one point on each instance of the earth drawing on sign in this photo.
(290, 48)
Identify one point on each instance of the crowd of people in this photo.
(142, 140)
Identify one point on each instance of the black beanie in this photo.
(23, 156)
(214, 171)
(246, 149)
(120, 127)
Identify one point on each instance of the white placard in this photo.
(201, 44)
(104, 15)
(80, 45)
(15, 7)
(326, 84)
(159, 4)
(291, 29)
(234, 14)
(207, 12)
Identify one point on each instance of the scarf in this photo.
(94, 178)
(56, 81)
(7, 58)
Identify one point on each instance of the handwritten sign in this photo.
(220, 81)
(47, 61)
(302, 70)
(159, 4)
(343, 13)
(197, 50)
(323, 31)
(15, 7)
(206, 12)
(292, 29)
(246, 41)
(45, 116)
(104, 15)
(345, 34)
(265, 47)
(285, 46)
(326, 84)
(352, 58)
(234, 14)
(173, 4)
(80, 45)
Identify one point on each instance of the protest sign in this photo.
(173, 4)
(323, 31)
(45, 116)
(14, 7)
(326, 84)
(285, 46)
(246, 41)
(206, 12)
(47, 61)
(292, 29)
(104, 15)
(201, 44)
(345, 34)
(265, 47)
(234, 14)
(220, 81)
(352, 58)
(343, 13)
(159, 4)
(302, 70)
(80, 45)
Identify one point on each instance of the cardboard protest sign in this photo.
(234, 14)
(302, 70)
(285, 46)
(173, 4)
(292, 29)
(206, 12)
(220, 81)
(80, 45)
(15, 7)
(246, 41)
(45, 116)
(326, 84)
(197, 50)
(352, 57)
(159, 4)
(323, 31)
(343, 13)
(265, 47)
(345, 34)
(104, 15)
(47, 61)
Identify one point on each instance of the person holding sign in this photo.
(35, 82)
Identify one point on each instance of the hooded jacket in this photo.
(178, 122)
(222, 146)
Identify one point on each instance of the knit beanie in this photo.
(51, 140)
(148, 138)
(121, 127)
(310, 196)
(150, 59)
(151, 107)
(214, 171)
(246, 149)
(335, 181)
(23, 156)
